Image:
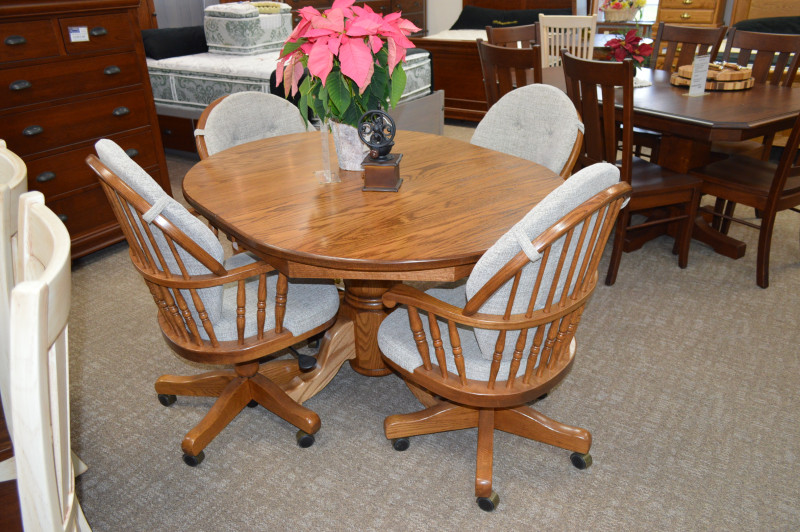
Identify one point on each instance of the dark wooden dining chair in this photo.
(675, 46)
(211, 310)
(244, 117)
(655, 188)
(476, 354)
(505, 69)
(514, 36)
(766, 186)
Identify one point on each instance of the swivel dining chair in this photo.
(536, 122)
(573, 32)
(259, 312)
(668, 197)
(244, 117)
(514, 36)
(676, 46)
(766, 186)
(477, 354)
(40, 304)
(505, 69)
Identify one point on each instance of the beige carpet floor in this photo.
(687, 379)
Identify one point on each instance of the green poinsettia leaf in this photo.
(303, 106)
(290, 47)
(338, 91)
(351, 116)
(379, 85)
(398, 85)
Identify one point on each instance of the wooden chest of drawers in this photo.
(691, 12)
(72, 72)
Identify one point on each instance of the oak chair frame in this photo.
(454, 401)
(234, 388)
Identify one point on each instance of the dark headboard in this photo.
(522, 4)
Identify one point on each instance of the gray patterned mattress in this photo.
(185, 85)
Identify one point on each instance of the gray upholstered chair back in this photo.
(563, 200)
(247, 116)
(536, 122)
(135, 177)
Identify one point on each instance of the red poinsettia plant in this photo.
(631, 46)
(354, 59)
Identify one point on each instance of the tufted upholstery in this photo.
(536, 122)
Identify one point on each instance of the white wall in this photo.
(442, 14)
(180, 13)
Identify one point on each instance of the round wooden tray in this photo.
(727, 78)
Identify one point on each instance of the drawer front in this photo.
(379, 6)
(57, 174)
(96, 33)
(407, 6)
(33, 84)
(28, 40)
(83, 212)
(418, 19)
(688, 4)
(686, 16)
(61, 125)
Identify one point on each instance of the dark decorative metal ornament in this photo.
(376, 129)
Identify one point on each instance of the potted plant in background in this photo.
(354, 59)
(621, 10)
(631, 46)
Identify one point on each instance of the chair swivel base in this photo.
(234, 389)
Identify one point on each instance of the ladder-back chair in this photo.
(536, 122)
(654, 187)
(505, 69)
(476, 354)
(40, 304)
(259, 312)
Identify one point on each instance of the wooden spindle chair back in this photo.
(514, 36)
(505, 69)
(773, 57)
(680, 44)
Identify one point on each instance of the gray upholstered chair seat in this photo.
(309, 304)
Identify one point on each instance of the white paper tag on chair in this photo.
(155, 210)
(525, 243)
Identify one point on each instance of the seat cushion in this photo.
(569, 195)
(309, 304)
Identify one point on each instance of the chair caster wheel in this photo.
(541, 397)
(166, 399)
(304, 440)
(306, 363)
(488, 504)
(581, 461)
(193, 461)
(252, 404)
(400, 444)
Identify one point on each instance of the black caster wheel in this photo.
(306, 363)
(193, 461)
(400, 444)
(304, 440)
(252, 404)
(166, 399)
(581, 461)
(541, 397)
(488, 504)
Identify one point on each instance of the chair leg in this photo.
(526, 422)
(441, 417)
(764, 243)
(208, 384)
(725, 226)
(619, 241)
(273, 398)
(485, 455)
(685, 234)
(231, 401)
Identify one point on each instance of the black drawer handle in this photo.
(20, 84)
(13, 40)
(98, 31)
(132, 152)
(62, 217)
(121, 111)
(32, 131)
(44, 177)
(111, 70)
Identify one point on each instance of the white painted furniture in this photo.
(575, 33)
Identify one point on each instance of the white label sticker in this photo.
(699, 74)
(78, 33)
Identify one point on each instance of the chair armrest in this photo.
(209, 280)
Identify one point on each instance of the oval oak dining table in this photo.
(456, 200)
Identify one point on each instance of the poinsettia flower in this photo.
(356, 59)
(320, 60)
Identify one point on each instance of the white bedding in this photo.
(459, 35)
